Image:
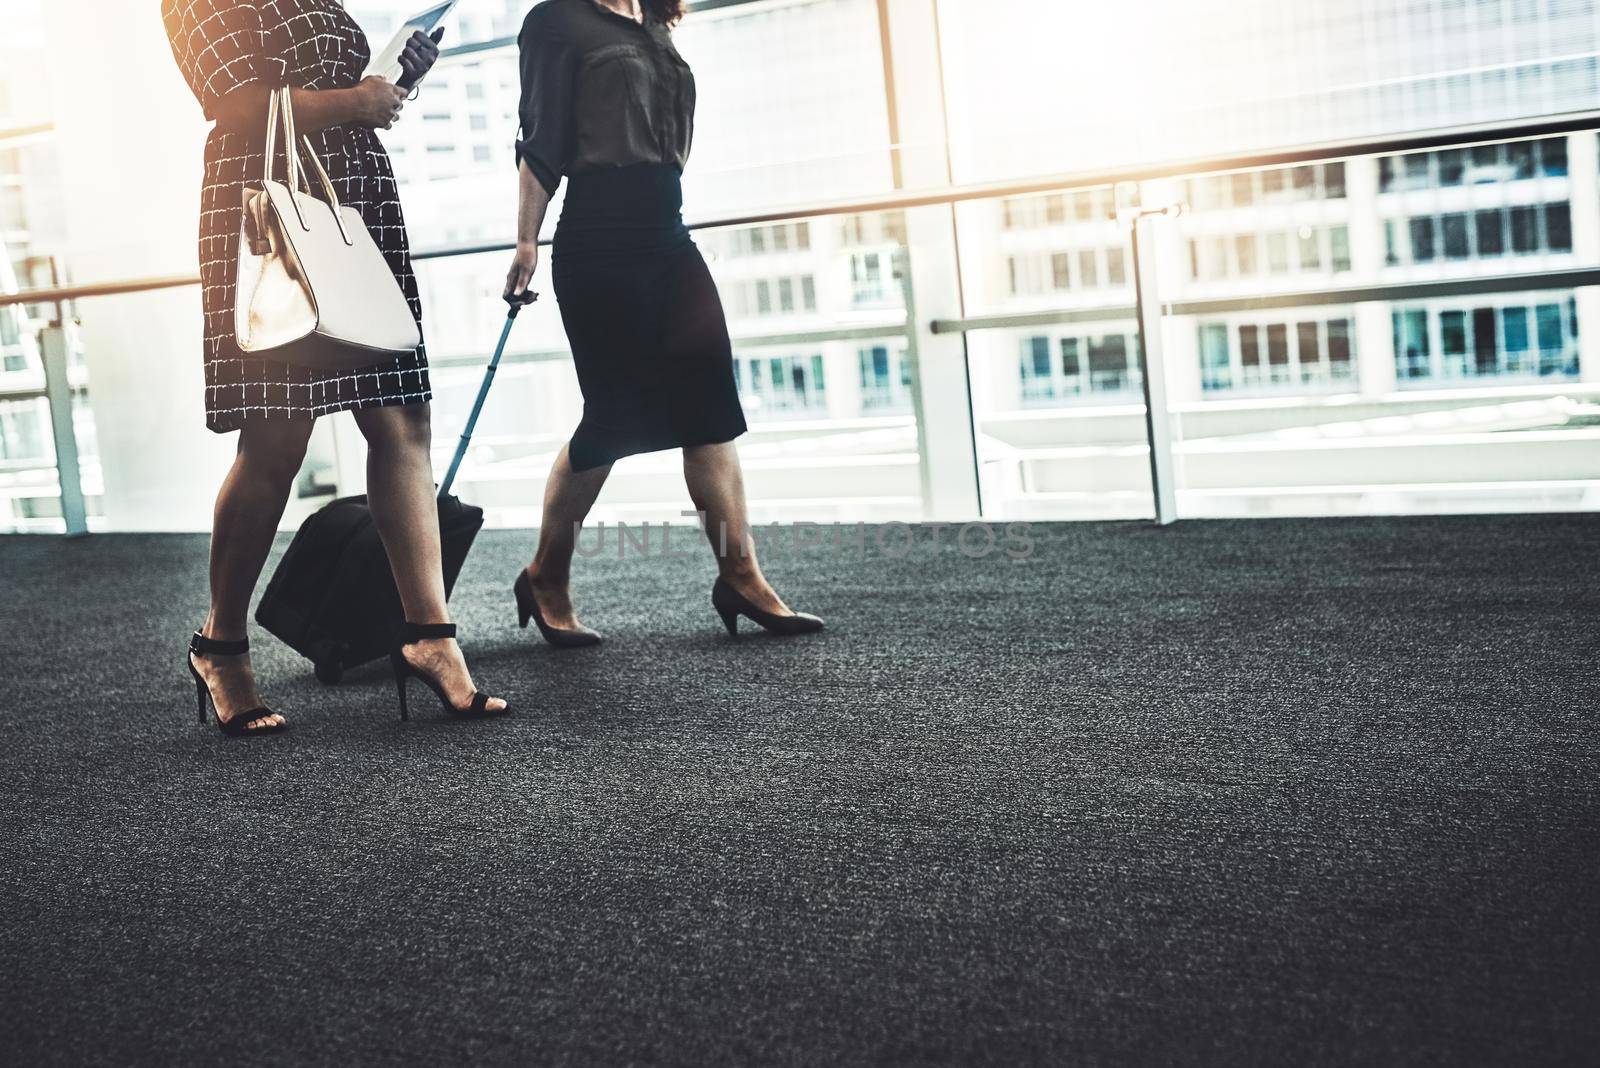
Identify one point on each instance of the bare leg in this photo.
(248, 509)
(568, 496)
(400, 492)
(716, 485)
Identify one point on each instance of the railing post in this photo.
(941, 379)
(58, 391)
(1152, 364)
(908, 294)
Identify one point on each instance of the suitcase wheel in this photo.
(329, 672)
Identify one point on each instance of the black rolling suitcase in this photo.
(333, 598)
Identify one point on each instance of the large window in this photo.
(1022, 302)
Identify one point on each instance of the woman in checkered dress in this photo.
(233, 53)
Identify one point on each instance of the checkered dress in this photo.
(308, 44)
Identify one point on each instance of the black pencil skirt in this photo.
(643, 317)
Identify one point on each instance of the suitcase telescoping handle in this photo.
(516, 303)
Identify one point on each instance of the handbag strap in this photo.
(280, 110)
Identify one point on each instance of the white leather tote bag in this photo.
(312, 287)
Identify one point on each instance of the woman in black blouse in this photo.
(608, 103)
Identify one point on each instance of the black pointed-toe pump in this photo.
(404, 670)
(560, 637)
(731, 604)
(200, 645)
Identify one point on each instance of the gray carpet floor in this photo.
(1275, 792)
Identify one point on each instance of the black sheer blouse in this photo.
(600, 90)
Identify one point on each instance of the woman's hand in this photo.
(421, 53)
(377, 103)
(520, 277)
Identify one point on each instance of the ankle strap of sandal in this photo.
(421, 632)
(200, 645)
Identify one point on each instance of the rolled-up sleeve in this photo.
(221, 45)
(549, 73)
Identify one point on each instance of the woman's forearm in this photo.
(532, 203)
(319, 109)
(245, 109)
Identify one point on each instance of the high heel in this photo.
(405, 670)
(731, 604)
(200, 645)
(560, 637)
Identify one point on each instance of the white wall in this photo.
(131, 143)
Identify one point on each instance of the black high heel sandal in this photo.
(200, 645)
(405, 670)
(560, 637)
(731, 604)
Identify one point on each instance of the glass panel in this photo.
(1558, 227)
(1452, 166)
(1278, 253)
(1524, 229)
(1454, 227)
(1446, 404)
(1421, 240)
(1310, 249)
(1245, 250)
(1339, 238)
(1491, 232)
(1553, 157)
(33, 247)
(1215, 364)
(1252, 74)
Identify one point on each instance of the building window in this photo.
(1216, 364)
(1116, 267)
(1276, 355)
(1061, 270)
(785, 385)
(1039, 378)
(866, 278)
(1308, 249)
(1485, 164)
(1244, 247)
(886, 379)
(1422, 240)
(1524, 230)
(1088, 269)
(1278, 253)
(1339, 240)
(1511, 341)
(1061, 368)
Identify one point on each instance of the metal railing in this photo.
(952, 194)
(1320, 152)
